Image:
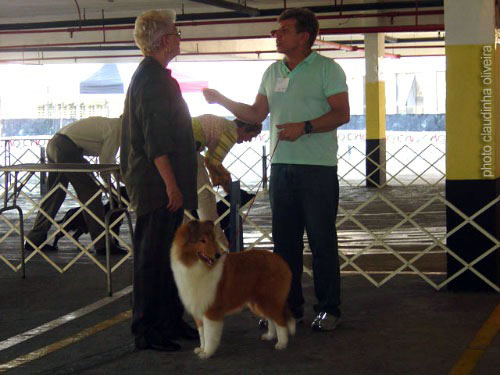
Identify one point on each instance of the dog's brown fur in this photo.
(213, 284)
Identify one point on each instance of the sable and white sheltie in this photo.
(213, 284)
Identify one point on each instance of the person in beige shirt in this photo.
(93, 136)
(216, 135)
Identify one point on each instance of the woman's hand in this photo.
(175, 198)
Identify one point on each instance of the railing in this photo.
(396, 229)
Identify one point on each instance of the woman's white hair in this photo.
(150, 27)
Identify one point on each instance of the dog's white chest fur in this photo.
(197, 284)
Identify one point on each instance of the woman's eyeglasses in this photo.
(178, 33)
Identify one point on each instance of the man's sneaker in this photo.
(325, 322)
(263, 322)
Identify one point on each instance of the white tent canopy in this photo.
(106, 80)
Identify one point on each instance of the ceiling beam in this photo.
(182, 18)
(254, 12)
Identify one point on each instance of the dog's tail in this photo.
(290, 321)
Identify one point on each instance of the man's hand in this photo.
(290, 131)
(212, 96)
(219, 175)
(226, 182)
(175, 198)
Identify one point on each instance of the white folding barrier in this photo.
(409, 232)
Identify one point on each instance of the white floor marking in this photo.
(63, 319)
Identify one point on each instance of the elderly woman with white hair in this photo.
(158, 165)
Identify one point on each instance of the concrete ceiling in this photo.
(56, 31)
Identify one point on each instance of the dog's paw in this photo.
(280, 346)
(267, 337)
(198, 350)
(204, 355)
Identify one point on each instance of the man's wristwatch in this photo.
(308, 128)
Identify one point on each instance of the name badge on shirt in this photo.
(281, 85)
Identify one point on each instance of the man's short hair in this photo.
(248, 126)
(150, 28)
(306, 21)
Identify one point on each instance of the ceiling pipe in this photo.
(419, 47)
(351, 46)
(323, 31)
(230, 15)
(387, 55)
(72, 44)
(209, 23)
(68, 48)
(254, 12)
(133, 48)
(41, 46)
(383, 29)
(334, 45)
(329, 17)
(338, 46)
(76, 58)
(71, 30)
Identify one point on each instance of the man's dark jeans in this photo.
(307, 196)
(157, 309)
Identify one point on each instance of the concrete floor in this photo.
(403, 327)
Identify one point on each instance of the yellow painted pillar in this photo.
(375, 111)
(472, 139)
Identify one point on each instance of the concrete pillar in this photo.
(472, 140)
(375, 111)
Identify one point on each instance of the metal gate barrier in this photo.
(396, 229)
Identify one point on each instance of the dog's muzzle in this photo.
(208, 260)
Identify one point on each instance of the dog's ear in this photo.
(194, 231)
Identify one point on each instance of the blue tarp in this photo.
(106, 80)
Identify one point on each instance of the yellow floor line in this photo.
(481, 341)
(19, 361)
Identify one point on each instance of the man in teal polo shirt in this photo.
(306, 95)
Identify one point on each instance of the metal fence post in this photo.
(235, 222)
(7, 162)
(264, 168)
(43, 175)
(7, 152)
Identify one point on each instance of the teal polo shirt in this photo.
(303, 97)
